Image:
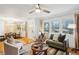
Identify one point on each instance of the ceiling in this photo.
(21, 11)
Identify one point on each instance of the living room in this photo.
(39, 29)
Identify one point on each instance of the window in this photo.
(66, 26)
(46, 27)
(55, 24)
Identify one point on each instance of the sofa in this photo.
(2, 38)
(15, 35)
(60, 43)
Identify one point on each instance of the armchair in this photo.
(10, 49)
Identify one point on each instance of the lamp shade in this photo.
(72, 26)
(38, 10)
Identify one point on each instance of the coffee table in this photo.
(39, 49)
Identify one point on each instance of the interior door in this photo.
(77, 32)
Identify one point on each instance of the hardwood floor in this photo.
(1, 48)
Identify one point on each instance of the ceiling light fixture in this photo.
(38, 10)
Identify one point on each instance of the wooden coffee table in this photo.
(38, 50)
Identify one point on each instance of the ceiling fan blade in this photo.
(31, 11)
(37, 7)
(45, 11)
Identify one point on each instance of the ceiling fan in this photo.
(38, 9)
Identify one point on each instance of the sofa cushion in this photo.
(59, 52)
(51, 51)
(55, 37)
(19, 45)
(56, 43)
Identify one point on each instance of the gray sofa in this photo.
(57, 43)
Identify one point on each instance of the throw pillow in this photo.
(51, 36)
(11, 40)
(61, 38)
(55, 37)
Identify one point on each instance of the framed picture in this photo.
(46, 27)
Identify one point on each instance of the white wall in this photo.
(31, 28)
(1, 27)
